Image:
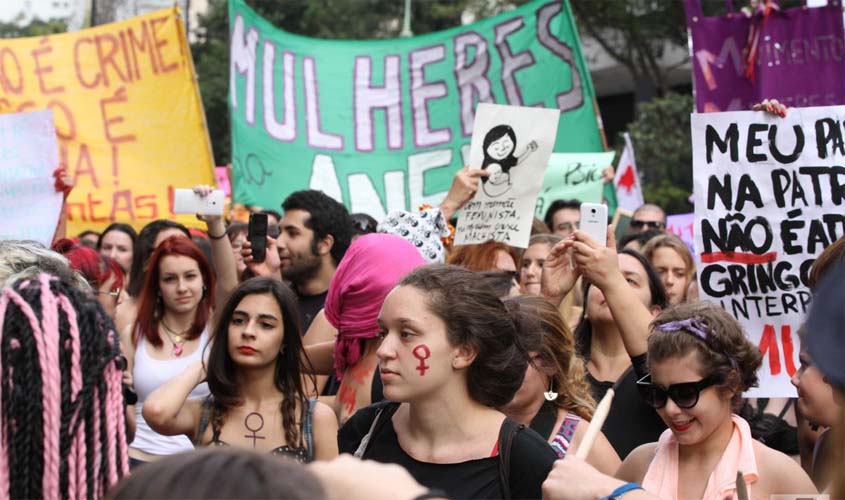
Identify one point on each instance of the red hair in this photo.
(481, 257)
(150, 309)
(94, 267)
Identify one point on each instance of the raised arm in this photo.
(464, 186)
(222, 257)
(168, 411)
(600, 266)
(319, 345)
(559, 273)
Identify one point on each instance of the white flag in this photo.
(629, 193)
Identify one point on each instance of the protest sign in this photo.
(626, 181)
(383, 125)
(514, 145)
(738, 60)
(127, 114)
(768, 194)
(221, 175)
(29, 204)
(573, 176)
(683, 226)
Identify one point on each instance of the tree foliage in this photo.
(637, 34)
(36, 27)
(663, 143)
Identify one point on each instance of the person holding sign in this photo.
(449, 356)
(700, 363)
(622, 295)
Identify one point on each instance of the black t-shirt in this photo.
(531, 459)
(309, 306)
(631, 422)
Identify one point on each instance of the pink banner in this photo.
(222, 176)
(681, 225)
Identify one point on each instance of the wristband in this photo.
(431, 494)
(618, 492)
(216, 237)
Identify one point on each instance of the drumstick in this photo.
(741, 488)
(595, 425)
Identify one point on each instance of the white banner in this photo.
(769, 196)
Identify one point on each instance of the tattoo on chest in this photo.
(422, 353)
(254, 422)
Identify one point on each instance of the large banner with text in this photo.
(127, 113)
(769, 195)
(383, 125)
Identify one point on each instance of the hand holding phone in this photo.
(257, 236)
(187, 201)
(594, 222)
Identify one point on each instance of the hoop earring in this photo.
(550, 395)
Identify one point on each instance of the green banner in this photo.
(383, 124)
(573, 176)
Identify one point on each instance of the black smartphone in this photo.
(258, 236)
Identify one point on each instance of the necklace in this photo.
(176, 339)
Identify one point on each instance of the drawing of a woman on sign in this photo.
(499, 158)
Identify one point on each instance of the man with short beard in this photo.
(314, 233)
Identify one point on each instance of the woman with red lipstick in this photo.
(257, 396)
(449, 356)
(700, 363)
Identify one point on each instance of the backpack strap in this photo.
(204, 416)
(384, 412)
(506, 434)
(308, 429)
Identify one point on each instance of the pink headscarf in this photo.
(372, 266)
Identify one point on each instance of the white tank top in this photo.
(148, 375)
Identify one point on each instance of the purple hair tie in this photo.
(696, 327)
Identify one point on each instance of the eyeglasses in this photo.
(567, 226)
(685, 395)
(115, 294)
(651, 224)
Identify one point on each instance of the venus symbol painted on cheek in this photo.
(422, 353)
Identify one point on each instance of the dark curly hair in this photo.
(475, 317)
(327, 217)
(725, 352)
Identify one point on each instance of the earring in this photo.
(550, 395)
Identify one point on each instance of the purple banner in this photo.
(800, 57)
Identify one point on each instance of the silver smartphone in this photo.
(186, 201)
(594, 221)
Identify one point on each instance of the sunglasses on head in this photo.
(652, 224)
(684, 395)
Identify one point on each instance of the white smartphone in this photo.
(186, 201)
(594, 221)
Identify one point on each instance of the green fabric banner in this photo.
(383, 125)
(573, 176)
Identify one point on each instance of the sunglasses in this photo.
(652, 224)
(684, 395)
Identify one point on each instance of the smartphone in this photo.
(258, 236)
(186, 201)
(594, 221)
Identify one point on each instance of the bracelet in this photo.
(216, 237)
(431, 494)
(618, 492)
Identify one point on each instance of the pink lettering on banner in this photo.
(422, 92)
(682, 226)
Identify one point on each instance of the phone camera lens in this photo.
(594, 210)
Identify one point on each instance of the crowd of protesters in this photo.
(446, 372)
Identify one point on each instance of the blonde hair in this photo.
(670, 241)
